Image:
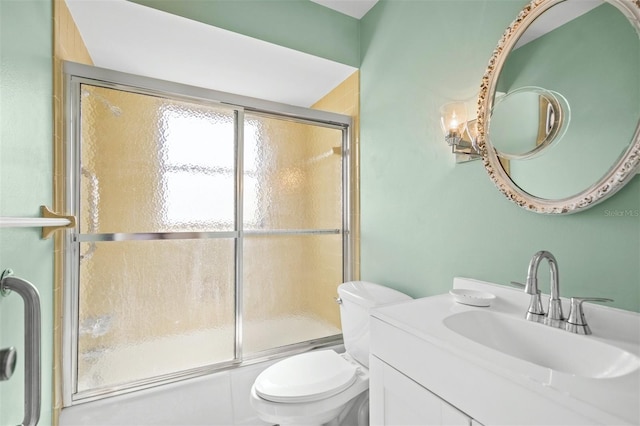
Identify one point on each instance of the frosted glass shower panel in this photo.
(209, 233)
(292, 174)
(149, 308)
(160, 165)
(290, 285)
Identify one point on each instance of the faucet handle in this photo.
(577, 323)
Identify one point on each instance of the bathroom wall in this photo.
(67, 46)
(26, 170)
(25, 183)
(426, 219)
(343, 99)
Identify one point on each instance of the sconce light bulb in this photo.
(453, 121)
(453, 124)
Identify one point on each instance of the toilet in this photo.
(325, 387)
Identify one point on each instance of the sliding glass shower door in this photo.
(292, 232)
(157, 236)
(208, 234)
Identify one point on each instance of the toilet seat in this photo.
(306, 377)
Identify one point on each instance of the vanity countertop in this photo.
(483, 374)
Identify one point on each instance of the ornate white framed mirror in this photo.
(581, 60)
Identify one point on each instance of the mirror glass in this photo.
(586, 55)
(527, 121)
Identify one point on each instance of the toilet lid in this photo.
(306, 377)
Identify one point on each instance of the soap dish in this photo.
(472, 297)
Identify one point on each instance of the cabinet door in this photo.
(451, 416)
(397, 400)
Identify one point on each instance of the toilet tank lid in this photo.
(370, 294)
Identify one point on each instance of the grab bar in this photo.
(32, 384)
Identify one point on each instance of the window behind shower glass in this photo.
(207, 235)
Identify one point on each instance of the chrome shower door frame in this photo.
(77, 74)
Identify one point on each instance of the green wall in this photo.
(298, 24)
(425, 219)
(25, 183)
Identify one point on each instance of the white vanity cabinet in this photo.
(425, 372)
(397, 400)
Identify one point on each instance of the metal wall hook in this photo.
(48, 214)
(5, 273)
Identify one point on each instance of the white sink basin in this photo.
(542, 345)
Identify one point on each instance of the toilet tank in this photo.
(357, 297)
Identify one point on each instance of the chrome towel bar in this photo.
(49, 222)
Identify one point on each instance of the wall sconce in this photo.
(459, 133)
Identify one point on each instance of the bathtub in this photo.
(220, 398)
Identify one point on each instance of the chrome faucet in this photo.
(554, 315)
(536, 312)
(576, 323)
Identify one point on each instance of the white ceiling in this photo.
(132, 38)
(354, 8)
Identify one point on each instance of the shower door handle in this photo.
(32, 330)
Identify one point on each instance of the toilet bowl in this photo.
(324, 387)
(313, 388)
